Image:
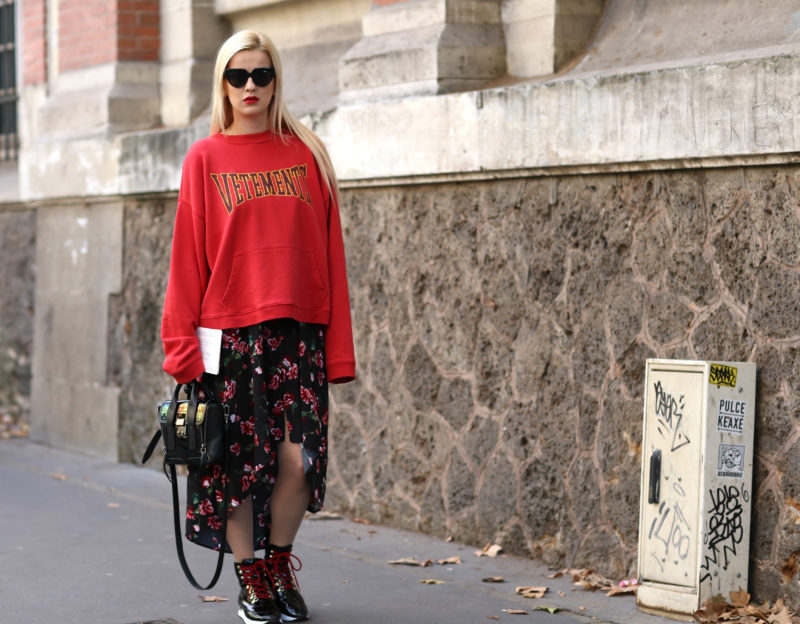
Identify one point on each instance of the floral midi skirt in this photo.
(272, 380)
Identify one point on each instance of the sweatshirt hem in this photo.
(267, 313)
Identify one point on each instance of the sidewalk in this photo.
(90, 542)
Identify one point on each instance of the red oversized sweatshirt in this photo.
(257, 237)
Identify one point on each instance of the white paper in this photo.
(210, 347)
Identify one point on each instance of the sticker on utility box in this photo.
(731, 461)
(722, 375)
(730, 417)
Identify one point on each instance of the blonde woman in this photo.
(257, 252)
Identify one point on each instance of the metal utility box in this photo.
(697, 467)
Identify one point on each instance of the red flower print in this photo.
(247, 468)
(277, 433)
(301, 349)
(214, 523)
(274, 382)
(190, 513)
(217, 471)
(261, 520)
(230, 390)
(274, 343)
(245, 483)
(258, 370)
(307, 396)
(318, 359)
(291, 373)
(248, 426)
(235, 449)
(206, 508)
(206, 482)
(220, 496)
(258, 347)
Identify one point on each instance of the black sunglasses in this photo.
(261, 76)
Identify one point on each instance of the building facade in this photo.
(537, 196)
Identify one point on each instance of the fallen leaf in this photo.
(531, 592)
(562, 594)
(410, 561)
(213, 599)
(740, 598)
(490, 550)
(581, 608)
(432, 582)
(556, 574)
(784, 616)
(450, 561)
(515, 611)
(59, 476)
(361, 520)
(549, 609)
(113, 505)
(493, 579)
(618, 591)
(492, 617)
(324, 515)
(449, 539)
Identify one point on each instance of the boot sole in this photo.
(248, 620)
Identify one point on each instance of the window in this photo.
(8, 82)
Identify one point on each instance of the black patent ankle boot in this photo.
(256, 600)
(281, 564)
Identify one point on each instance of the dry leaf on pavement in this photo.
(410, 561)
(515, 611)
(213, 599)
(432, 582)
(450, 561)
(740, 598)
(324, 515)
(490, 550)
(741, 612)
(531, 592)
(493, 579)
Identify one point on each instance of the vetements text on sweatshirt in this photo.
(237, 188)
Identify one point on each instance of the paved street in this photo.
(90, 542)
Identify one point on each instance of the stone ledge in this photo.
(712, 115)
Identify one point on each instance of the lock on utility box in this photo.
(697, 467)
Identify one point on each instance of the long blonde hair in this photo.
(281, 120)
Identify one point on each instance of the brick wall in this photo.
(93, 32)
(138, 30)
(34, 47)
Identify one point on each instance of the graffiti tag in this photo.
(724, 531)
(670, 414)
(722, 375)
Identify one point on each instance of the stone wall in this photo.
(17, 252)
(501, 333)
(502, 329)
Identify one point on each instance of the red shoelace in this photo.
(253, 577)
(283, 569)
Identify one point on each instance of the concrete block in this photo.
(71, 405)
(118, 96)
(530, 47)
(404, 16)
(392, 58)
(473, 12)
(523, 10)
